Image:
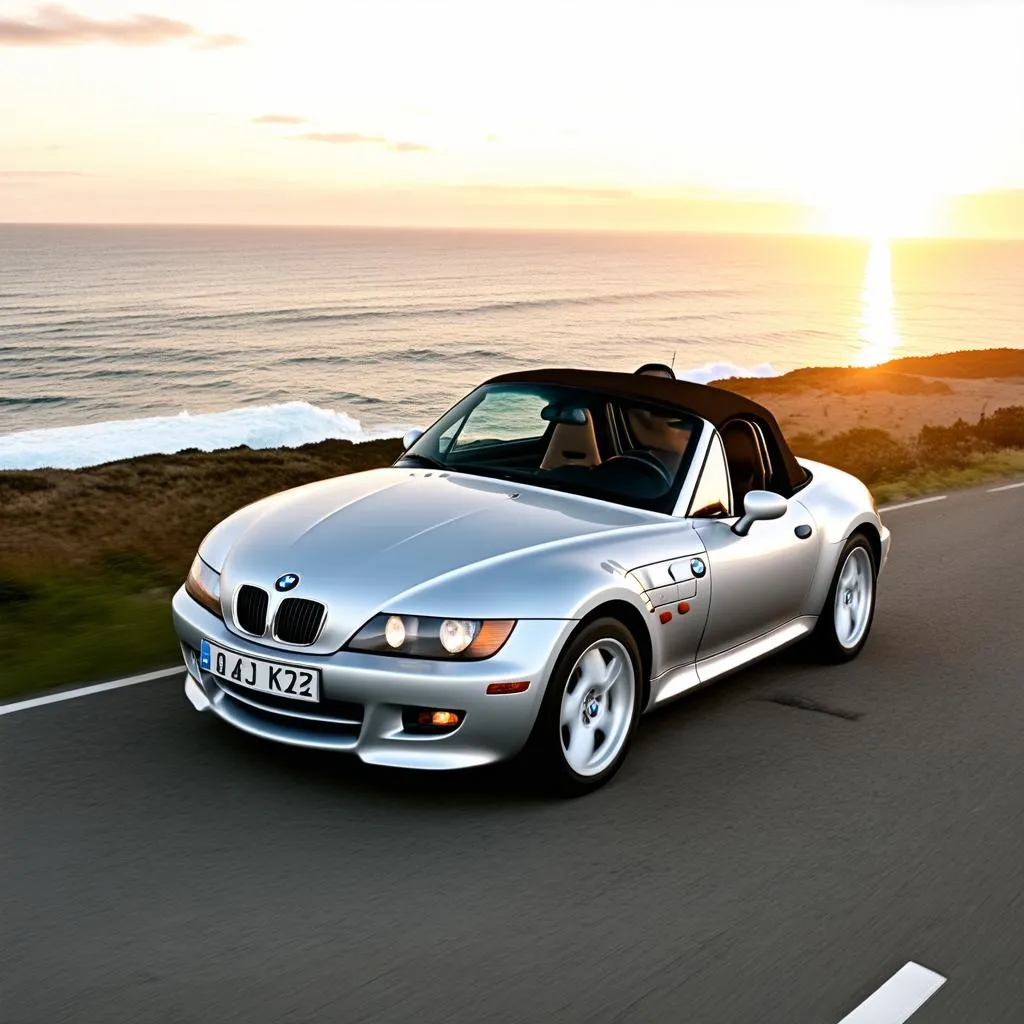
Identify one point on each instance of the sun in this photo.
(879, 210)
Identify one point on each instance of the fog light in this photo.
(440, 718)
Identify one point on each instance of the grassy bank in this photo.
(89, 558)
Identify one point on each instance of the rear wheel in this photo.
(845, 620)
(590, 710)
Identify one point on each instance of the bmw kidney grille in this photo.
(251, 609)
(298, 621)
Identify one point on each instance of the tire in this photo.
(568, 752)
(845, 619)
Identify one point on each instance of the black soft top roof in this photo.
(716, 405)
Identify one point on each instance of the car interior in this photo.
(595, 443)
(744, 458)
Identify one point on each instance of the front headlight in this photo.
(417, 636)
(203, 585)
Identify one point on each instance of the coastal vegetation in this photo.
(89, 558)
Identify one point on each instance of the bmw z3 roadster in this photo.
(562, 551)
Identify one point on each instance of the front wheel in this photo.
(590, 710)
(845, 620)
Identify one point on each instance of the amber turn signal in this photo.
(203, 586)
(490, 638)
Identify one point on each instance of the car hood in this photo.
(358, 543)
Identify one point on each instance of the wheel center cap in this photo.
(593, 708)
(849, 597)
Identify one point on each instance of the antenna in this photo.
(673, 363)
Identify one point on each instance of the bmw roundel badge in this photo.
(697, 567)
(289, 581)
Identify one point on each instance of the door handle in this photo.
(803, 531)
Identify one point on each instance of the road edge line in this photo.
(1005, 487)
(84, 691)
(910, 504)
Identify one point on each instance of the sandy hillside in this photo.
(900, 396)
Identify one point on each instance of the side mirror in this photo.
(760, 505)
(410, 438)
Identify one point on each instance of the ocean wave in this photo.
(146, 322)
(14, 402)
(285, 425)
(415, 355)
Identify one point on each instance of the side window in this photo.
(711, 498)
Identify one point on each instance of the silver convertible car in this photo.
(560, 552)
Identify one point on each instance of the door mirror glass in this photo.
(760, 505)
(410, 438)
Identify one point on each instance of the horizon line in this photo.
(504, 229)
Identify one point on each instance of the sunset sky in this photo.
(871, 117)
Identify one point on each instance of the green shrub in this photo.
(1004, 428)
(944, 447)
(870, 453)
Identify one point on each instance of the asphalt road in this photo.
(754, 861)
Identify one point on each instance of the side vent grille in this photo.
(251, 609)
(298, 621)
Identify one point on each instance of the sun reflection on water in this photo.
(878, 335)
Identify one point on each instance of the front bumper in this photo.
(363, 695)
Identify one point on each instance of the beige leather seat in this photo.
(572, 444)
(656, 434)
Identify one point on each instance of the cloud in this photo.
(339, 138)
(53, 25)
(540, 191)
(349, 138)
(36, 175)
(278, 119)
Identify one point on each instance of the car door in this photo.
(758, 581)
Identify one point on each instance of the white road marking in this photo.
(1007, 487)
(910, 504)
(84, 691)
(899, 998)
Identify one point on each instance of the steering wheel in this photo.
(650, 460)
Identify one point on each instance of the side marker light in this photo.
(508, 687)
(665, 617)
(684, 607)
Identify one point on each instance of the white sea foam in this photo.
(260, 426)
(286, 425)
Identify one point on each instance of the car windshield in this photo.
(568, 439)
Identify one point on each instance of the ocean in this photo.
(118, 341)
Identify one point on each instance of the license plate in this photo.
(256, 674)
